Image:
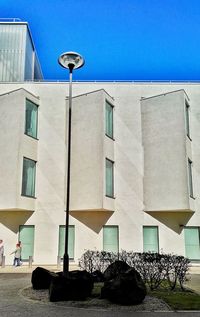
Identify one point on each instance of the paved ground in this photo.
(194, 283)
(24, 268)
(13, 304)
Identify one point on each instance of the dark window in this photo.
(190, 180)
(187, 119)
(109, 120)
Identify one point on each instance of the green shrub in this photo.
(153, 267)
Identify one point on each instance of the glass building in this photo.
(18, 58)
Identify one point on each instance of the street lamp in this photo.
(70, 60)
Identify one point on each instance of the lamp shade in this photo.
(71, 58)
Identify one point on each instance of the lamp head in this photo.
(71, 60)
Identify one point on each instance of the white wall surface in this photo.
(128, 155)
(165, 158)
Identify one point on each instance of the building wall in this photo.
(165, 152)
(12, 52)
(18, 58)
(90, 210)
(87, 191)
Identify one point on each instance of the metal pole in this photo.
(3, 261)
(66, 255)
(58, 261)
(30, 261)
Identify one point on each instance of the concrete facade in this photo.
(150, 151)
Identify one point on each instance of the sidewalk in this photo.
(194, 279)
(194, 283)
(26, 269)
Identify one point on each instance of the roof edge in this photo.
(165, 93)
(18, 89)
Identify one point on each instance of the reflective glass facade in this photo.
(18, 59)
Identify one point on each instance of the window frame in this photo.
(192, 227)
(157, 227)
(112, 226)
(26, 226)
(112, 107)
(25, 132)
(187, 119)
(113, 187)
(190, 178)
(22, 194)
(64, 226)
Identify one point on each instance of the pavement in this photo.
(14, 304)
(194, 283)
(24, 268)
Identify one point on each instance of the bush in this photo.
(97, 260)
(176, 270)
(153, 267)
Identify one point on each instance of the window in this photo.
(109, 120)
(26, 236)
(187, 119)
(31, 119)
(111, 238)
(28, 177)
(150, 239)
(192, 243)
(109, 178)
(71, 237)
(190, 181)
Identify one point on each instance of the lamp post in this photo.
(70, 60)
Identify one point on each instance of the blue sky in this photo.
(119, 39)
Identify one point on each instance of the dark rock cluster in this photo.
(122, 284)
(41, 278)
(77, 285)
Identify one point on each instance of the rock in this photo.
(81, 283)
(58, 289)
(97, 276)
(41, 278)
(126, 288)
(77, 286)
(115, 269)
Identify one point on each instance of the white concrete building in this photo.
(135, 173)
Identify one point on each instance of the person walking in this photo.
(20, 245)
(17, 256)
(1, 251)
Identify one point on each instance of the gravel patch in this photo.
(149, 303)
